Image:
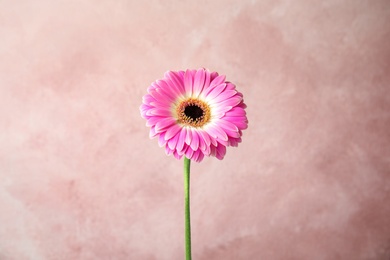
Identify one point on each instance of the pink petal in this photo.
(176, 155)
(195, 140)
(143, 113)
(220, 113)
(220, 110)
(152, 121)
(223, 142)
(205, 137)
(202, 143)
(189, 152)
(195, 156)
(224, 95)
(221, 151)
(183, 151)
(164, 123)
(207, 151)
(240, 122)
(236, 111)
(177, 90)
(159, 112)
(217, 132)
(231, 134)
(172, 142)
(215, 92)
(160, 98)
(218, 80)
(166, 90)
(172, 131)
(233, 101)
(230, 86)
(208, 88)
(145, 107)
(213, 141)
(234, 141)
(213, 75)
(242, 104)
(213, 150)
(201, 156)
(180, 142)
(198, 156)
(168, 150)
(227, 125)
(207, 80)
(147, 99)
(161, 140)
(188, 83)
(176, 83)
(188, 136)
(198, 82)
(152, 133)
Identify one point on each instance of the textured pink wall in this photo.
(79, 178)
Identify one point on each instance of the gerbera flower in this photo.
(194, 113)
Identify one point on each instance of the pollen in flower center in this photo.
(193, 112)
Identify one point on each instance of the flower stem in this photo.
(187, 163)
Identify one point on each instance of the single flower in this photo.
(194, 113)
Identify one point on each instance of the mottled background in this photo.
(80, 179)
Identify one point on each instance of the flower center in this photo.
(193, 112)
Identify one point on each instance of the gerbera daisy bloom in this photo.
(194, 113)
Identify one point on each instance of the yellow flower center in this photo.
(193, 112)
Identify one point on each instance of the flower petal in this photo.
(199, 81)
(205, 137)
(152, 121)
(168, 151)
(188, 136)
(218, 80)
(164, 123)
(160, 98)
(215, 92)
(159, 112)
(188, 82)
(175, 81)
(234, 141)
(227, 125)
(176, 155)
(152, 132)
(195, 140)
(221, 151)
(172, 142)
(224, 96)
(217, 132)
(230, 128)
(166, 90)
(172, 131)
(233, 101)
(161, 140)
(240, 122)
(180, 142)
(189, 152)
(197, 156)
(202, 143)
(236, 111)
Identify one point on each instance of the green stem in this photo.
(187, 163)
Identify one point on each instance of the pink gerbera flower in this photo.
(194, 113)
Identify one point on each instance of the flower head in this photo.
(194, 113)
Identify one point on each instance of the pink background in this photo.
(80, 179)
